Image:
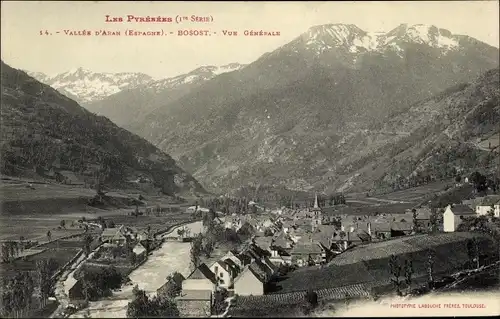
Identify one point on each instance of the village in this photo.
(272, 245)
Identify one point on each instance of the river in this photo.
(171, 257)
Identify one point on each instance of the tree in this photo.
(133, 258)
(87, 242)
(395, 270)
(208, 246)
(49, 235)
(111, 224)
(311, 301)
(136, 211)
(473, 252)
(431, 254)
(63, 223)
(182, 231)
(219, 304)
(416, 227)
(44, 270)
(254, 209)
(458, 179)
(479, 181)
(408, 274)
(433, 220)
(173, 288)
(268, 232)
(142, 306)
(196, 249)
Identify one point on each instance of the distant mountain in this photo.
(85, 86)
(298, 115)
(131, 105)
(44, 133)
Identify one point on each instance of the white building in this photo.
(453, 216)
(488, 204)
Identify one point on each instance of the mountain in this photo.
(455, 131)
(128, 106)
(44, 133)
(298, 116)
(85, 86)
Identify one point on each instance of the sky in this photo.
(23, 47)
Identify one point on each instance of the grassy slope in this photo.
(42, 129)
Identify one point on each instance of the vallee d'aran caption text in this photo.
(161, 32)
(154, 21)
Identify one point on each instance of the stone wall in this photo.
(194, 308)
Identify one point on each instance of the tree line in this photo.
(17, 291)
(99, 282)
(142, 306)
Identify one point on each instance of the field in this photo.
(34, 228)
(60, 256)
(419, 193)
(399, 208)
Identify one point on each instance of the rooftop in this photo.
(202, 272)
(489, 200)
(462, 210)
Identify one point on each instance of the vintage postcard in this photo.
(249, 159)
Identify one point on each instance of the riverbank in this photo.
(168, 258)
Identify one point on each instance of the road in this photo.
(66, 281)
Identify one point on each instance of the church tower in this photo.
(317, 217)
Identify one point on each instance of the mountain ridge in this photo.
(85, 86)
(305, 98)
(44, 132)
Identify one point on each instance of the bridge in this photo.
(183, 239)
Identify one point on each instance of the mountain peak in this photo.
(352, 39)
(425, 34)
(86, 86)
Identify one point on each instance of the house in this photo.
(255, 254)
(381, 230)
(287, 225)
(114, 235)
(251, 281)
(401, 229)
(281, 241)
(175, 280)
(194, 303)
(423, 218)
(488, 204)
(202, 278)
(233, 256)
(224, 273)
(69, 177)
(342, 241)
(281, 258)
(140, 251)
(306, 252)
(75, 293)
(453, 215)
(263, 242)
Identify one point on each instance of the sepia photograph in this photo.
(249, 159)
